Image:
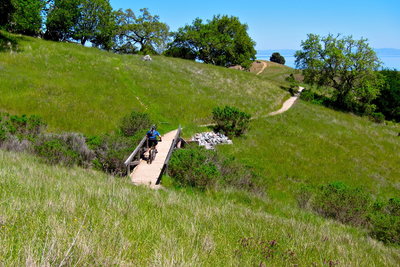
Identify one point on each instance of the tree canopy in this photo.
(388, 102)
(347, 65)
(277, 58)
(82, 20)
(6, 9)
(94, 17)
(22, 16)
(62, 18)
(144, 30)
(222, 41)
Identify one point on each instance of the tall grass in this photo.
(311, 144)
(58, 216)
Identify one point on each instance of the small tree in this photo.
(230, 121)
(222, 41)
(144, 30)
(347, 65)
(277, 58)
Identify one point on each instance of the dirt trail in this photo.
(263, 67)
(147, 174)
(288, 103)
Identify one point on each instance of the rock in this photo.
(210, 139)
(147, 58)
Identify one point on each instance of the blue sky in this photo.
(283, 24)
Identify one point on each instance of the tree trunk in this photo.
(83, 41)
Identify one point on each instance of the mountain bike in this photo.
(152, 153)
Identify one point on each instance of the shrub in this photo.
(337, 201)
(68, 149)
(310, 96)
(277, 58)
(345, 204)
(111, 152)
(134, 123)
(201, 168)
(230, 121)
(293, 84)
(24, 127)
(12, 143)
(377, 117)
(8, 42)
(194, 167)
(385, 221)
(235, 174)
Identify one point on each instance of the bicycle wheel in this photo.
(151, 156)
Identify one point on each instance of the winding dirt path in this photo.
(263, 67)
(288, 103)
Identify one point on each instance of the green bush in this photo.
(293, 84)
(111, 152)
(8, 42)
(354, 206)
(55, 151)
(134, 123)
(337, 201)
(230, 121)
(194, 167)
(24, 127)
(68, 149)
(377, 117)
(343, 203)
(385, 221)
(201, 168)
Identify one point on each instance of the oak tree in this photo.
(347, 65)
(222, 41)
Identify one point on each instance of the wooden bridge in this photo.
(150, 174)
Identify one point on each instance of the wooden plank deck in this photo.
(147, 174)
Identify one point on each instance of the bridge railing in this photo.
(134, 157)
(178, 142)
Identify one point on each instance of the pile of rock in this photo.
(147, 58)
(210, 139)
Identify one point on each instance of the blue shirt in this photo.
(152, 135)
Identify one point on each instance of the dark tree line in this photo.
(85, 21)
(221, 41)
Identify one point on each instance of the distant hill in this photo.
(291, 52)
(389, 56)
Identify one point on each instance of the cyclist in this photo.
(152, 138)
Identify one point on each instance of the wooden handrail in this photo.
(171, 149)
(137, 149)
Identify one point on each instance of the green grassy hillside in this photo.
(50, 215)
(53, 215)
(75, 88)
(310, 144)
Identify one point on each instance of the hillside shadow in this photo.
(9, 42)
